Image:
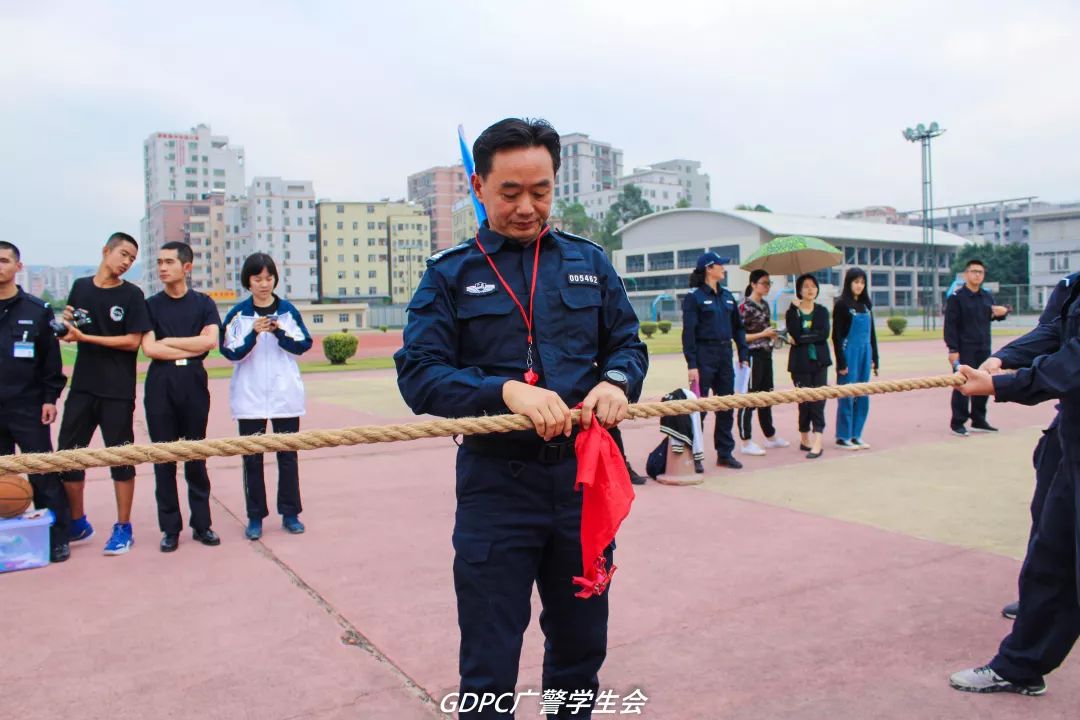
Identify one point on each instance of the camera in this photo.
(80, 319)
(780, 340)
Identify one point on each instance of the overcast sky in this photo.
(797, 105)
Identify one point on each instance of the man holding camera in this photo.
(185, 328)
(31, 380)
(107, 317)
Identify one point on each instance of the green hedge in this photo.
(339, 347)
(897, 324)
(665, 326)
(648, 328)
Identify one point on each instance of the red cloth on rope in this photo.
(605, 482)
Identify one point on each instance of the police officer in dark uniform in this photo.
(31, 380)
(968, 314)
(1021, 352)
(711, 320)
(529, 320)
(1048, 622)
(186, 327)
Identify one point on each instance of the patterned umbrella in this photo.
(793, 255)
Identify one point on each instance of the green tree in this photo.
(630, 205)
(683, 203)
(575, 218)
(1005, 264)
(756, 208)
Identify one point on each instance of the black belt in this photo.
(186, 362)
(539, 451)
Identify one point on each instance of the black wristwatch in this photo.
(617, 378)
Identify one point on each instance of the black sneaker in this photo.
(699, 467)
(634, 477)
(729, 462)
(846, 445)
(958, 430)
(1010, 611)
(59, 553)
(206, 537)
(983, 427)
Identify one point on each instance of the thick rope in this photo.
(366, 434)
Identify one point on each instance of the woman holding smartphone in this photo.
(262, 336)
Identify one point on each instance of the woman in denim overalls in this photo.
(855, 343)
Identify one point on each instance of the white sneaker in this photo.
(859, 444)
(984, 680)
(751, 448)
(776, 442)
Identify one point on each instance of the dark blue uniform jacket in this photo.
(711, 317)
(465, 336)
(39, 379)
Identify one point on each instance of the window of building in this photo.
(886, 257)
(340, 242)
(316, 319)
(849, 256)
(875, 256)
(340, 209)
(371, 209)
(902, 280)
(879, 279)
(635, 263)
(340, 274)
(344, 317)
(340, 225)
(880, 298)
(864, 256)
(662, 261)
(688, 258)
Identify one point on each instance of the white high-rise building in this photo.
(660, 188)
(282, 223)
(189, 166)
(588, 166)
(695, 183)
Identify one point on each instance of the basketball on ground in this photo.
(15, 495)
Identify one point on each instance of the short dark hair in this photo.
(183, 251)
(515, 133)
(254, 265)
(118, 237)
(974, 261)
(801, 280)
(5, 245)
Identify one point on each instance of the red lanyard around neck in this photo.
(530, 375)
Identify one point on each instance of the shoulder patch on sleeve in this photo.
(448, 251)
(572, 236)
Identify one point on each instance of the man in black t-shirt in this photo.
(185, 328)
(107, 317)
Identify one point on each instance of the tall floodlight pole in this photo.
(923, 135)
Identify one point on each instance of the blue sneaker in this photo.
(254, 529)
(292, 524)
(121, 541)
(80, 530)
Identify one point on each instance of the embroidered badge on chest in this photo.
(480, 288)
(116, 313)
(583, 279)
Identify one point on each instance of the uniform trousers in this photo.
(177, 403)
(517, 524)
(717, 376)
(20, 425)
(288, 489)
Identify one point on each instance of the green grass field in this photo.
(659, 344)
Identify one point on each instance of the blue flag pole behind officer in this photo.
(529, 320)
(711, 321)
(1048, 618)
(31, 380)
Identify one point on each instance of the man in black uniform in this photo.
(474, 345)
(31, 380)
(1021, 352)
(1048, 620)
(185, 328)
(968, 314)
(106, 316)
